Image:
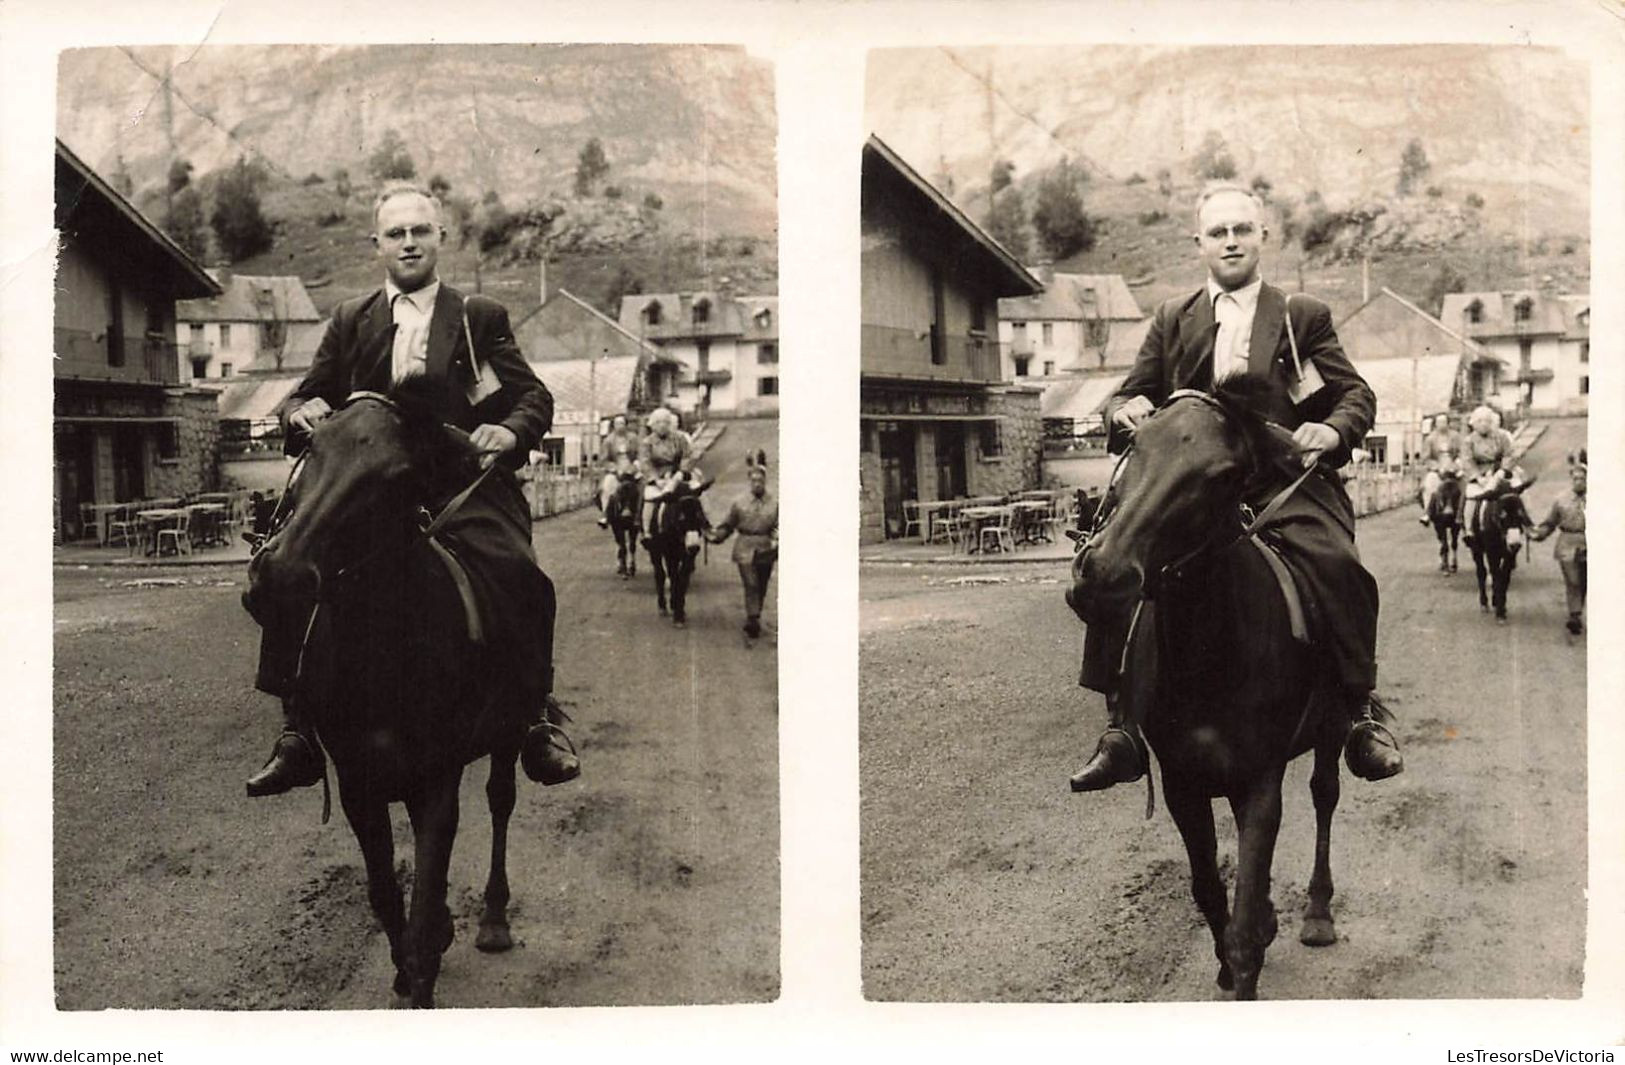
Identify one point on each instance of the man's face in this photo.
(1577, 477)
(1230, 235)
(408, 236)
(619, 423)
(758, 483)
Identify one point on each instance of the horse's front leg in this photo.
(369, 820)
(501, 795)
(1325, 786)
(1455, 547)
(1193, 816)
(428, 927)
(684, 572)
(659, 563)
(1483, 574)
(1253, 925)
(1503, 578)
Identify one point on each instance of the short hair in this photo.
(662, 416)
(404, 188)
(1484, 414)
(1220, 188)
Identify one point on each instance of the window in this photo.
(197, 334)
(1475, 312)
(200, 368)
(1585, 351)
(767, 354)
(1018, 332)
(115, 324)
(703, 350)
(767, 386)
(1526, 354)
(764, 319)
(1021, 364)
(1377, 447)
(978, 316)
(553, 451)
(169, 441)
(225, 369)
(939, 338)
(992, 439)
(1523, 310)
(651, 312)
(1049, 367)
(225, 334)
(702, 312)
(1049, 332)
(1585, 386)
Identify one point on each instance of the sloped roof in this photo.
(759, 317)
(250, 399)
(1078, 397)
(1420, 386)
(298, 349)
(1123, 343)
(251, 298)
(1075, 297)
(1499, 313)
(1576, 316)
(567, 327)
(1408, 331)
(578, 386)
(727, 316)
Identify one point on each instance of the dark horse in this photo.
(1228, 694)
(1444, 514)
(1503, 525)
(622, 514)
(671, 547)
(400, 694)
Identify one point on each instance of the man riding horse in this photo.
(665, 455)
(620, 453)
(1237, 324)
(413, 326)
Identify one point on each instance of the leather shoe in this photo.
(1117, 760)
(545, 759)
(1371, 751)
(1573, 624)
(295, 762)
(753, 628)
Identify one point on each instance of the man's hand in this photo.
(492, 441)
(1313, 438)
(1133, 411)
(309, 413)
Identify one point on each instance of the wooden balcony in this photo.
(84, 355)
(929, 355)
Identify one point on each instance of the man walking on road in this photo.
(755, 517)
(1237, 324)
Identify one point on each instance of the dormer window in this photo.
(651, 312)
(1523, 310)
(764, 319)
(1475, 312)
(702, 312)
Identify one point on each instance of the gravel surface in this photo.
(985, 879)
(651, 880)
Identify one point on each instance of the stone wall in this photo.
(1021, 438)
(871, 490)
(196, 465)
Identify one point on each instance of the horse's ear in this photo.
(703, 486)
(1525, 483)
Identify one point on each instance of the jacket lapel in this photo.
(445, 332)
(375, 346)
(1267, 319)
(1197, 330)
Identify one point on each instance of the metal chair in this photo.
(1003, 538)
(123, 524)
(87, 521)
(179, 534)
(911, 517)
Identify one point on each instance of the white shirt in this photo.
(412, 312)
(1234, 312)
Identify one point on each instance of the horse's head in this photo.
(1505, 516)
(686, 513)
(356, 494)
(1176, 491)
(627, 493)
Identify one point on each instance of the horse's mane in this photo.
(1245, 396)
(438, 451)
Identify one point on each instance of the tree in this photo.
(591, 166)
(185, 223)
(1262, 188)
(1445, 279)
(1165, 183)
(1003, 173)
(1213, 161)
(1058, 215)
(238, 223)
(390, 161)
(653, 201)
(1413, 167)
(341, 182)
(624, 283)
(180, 175)
(1008, 222)
(440, 187)
(1475, 201)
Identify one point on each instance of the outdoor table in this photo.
(1030, 514)
(928, 509)
(208, 523)
(154, 519)
(973, 518)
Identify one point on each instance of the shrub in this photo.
(1152, 217)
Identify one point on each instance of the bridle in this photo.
(1247, 522)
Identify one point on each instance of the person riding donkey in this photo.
(665, 457)
(415, 326)
(1486, 458)
(1439, 459)
(620, 451)
(1568, 519)
(1237, 324)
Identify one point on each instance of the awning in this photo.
(251, 401)
(1079, 397)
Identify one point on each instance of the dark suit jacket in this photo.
(1178, 353)
(355, 355)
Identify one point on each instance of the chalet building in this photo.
(1419, 368)
(1544, 339)
(728, 347)
(127, 427)
(937, 420)
(1078, 323)
(246, 325)
(595, 369)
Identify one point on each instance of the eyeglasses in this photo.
(395, 234)
(1240, 229)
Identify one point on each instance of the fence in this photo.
(550, 491)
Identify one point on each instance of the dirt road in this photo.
(985, 879)
(653, 879)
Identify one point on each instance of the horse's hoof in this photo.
(679, 623)
(1227, 980)
(1317, 932)
(402, 986)
(662, 609)
(1500, 619)
(493, 938)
